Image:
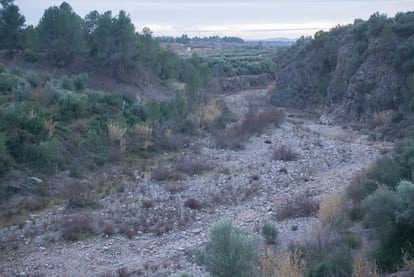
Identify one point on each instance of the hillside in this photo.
(353, 73)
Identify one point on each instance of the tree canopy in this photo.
(60, 33)
(11, 23)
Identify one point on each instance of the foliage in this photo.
(11, 25)
(390, 169)
(270, 233)
(113, 42)
(391, 215)
(60, 33)
(51, 123)
(229, 252)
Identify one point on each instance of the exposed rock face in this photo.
(346, 74)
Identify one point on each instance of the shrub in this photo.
(253, 123)
(108, 229)
(192, 203)
(80, 81)
(270, 233)
(339, 263)
(163, 173)
(231, 138)
(384, 171)
(283, 153)
(191, 166)
(79, 195)
(229, 252)
(147, 203)
(273, 116)
(300, 206)
(77, 227)
(391, 215)
(160, 173)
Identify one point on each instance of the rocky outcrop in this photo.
(349, 73)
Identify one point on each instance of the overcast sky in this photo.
(259, 19)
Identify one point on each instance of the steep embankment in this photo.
(351, 72)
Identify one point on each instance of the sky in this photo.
(259, 19)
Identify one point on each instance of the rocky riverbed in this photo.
(156, 225)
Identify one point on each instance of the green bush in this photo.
(390, 215)
(338, 264)
(384, 171)
(270, 233)
(229, 252)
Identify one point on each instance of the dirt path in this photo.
(247, 186)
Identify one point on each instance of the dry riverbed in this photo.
(247, 186)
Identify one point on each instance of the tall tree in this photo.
(114, 42)
(60, 33)
(11, 23)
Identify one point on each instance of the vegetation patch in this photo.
(78, 227)
(229, 252)
(300, 206)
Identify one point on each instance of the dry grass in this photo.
(116, 135)
(50, 126)
(283, 264)
(379, 118)
(209, 113)
(408, 262)
(142, 131)
(331, 207)
(364, 268)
